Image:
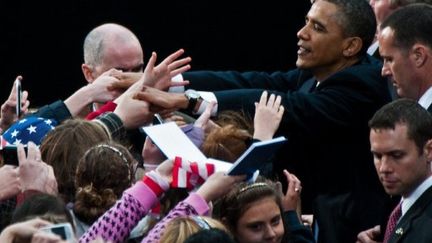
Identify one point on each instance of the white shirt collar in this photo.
(426, 99)
(372, 48)
(411, 199)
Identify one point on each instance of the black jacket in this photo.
(328, 138)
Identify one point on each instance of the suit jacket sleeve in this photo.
(338, 101)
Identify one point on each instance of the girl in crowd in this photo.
(116, 224)
(179, 229)
(64, 146)
(260, 212)
(102, 174)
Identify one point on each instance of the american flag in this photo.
(28, 129)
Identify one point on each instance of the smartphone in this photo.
(63, 230)
(10, 156)
(18, 96)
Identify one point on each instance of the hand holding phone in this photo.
(63, 230)
(10, 156)
(18, 90)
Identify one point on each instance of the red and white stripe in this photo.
(188, 174)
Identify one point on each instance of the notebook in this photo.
(256, 156)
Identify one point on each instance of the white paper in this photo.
(172, 141)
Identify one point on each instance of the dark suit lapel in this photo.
(308, 86)
(417, 209)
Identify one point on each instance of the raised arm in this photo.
(105, 88)
(8, 112)
(217, 185)
(268, 115)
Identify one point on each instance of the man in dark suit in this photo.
(405, 44)
(401, 142)
(328, 101)
(382, 9)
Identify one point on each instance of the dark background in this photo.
(42, 41)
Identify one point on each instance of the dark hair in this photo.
(212, 235)
(357, 20)
(411, 24)
(102, 174)
(235, 203)
(42, 205)
(64, 146)
(397, 3)
(407, 112)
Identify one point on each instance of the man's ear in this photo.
(352, 46)
(88, 72)
(420, 54)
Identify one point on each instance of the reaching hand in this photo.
(204, 122)
(34, 173)
(8, 109)
(45, 237)
(217, 185)
(268, 115)
(169, 115)
(160, 77)
(24, 230)
(133, 112)
(126, 79)
(107, 87)
(369, 236)
(290, 200)
(165, 170)
(10, 184)
(161, 100)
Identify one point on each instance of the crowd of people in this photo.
(356, 166)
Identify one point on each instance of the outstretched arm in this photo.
(160, 76)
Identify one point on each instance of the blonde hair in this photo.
(179, 229)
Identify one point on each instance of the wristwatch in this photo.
(193, 96)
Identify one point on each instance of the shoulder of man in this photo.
(367, 68)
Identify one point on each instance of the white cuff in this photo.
(177, 89)
(207, 98)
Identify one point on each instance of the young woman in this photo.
(102, 174)
(260, 212)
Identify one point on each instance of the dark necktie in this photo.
(392, 222)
